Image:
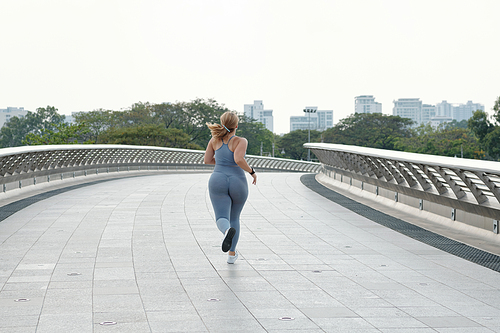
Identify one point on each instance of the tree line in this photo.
(177, 125)
(476, 138)
(182, 125)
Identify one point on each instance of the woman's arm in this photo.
(209, 153)
(239, 157)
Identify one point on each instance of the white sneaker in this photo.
(231, 259)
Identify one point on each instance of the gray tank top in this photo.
(224, 156)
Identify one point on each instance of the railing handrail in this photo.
(31, 149)
(433, 160)
(26, 162)
(39, 148)
(472, 186)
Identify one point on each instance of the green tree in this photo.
(455, 124)
(138, 114)
(194, 115)
(374, 130)
(256, 134)
(496, 110)
(63, 134)
(191, 117)
(492, 143)
(15, 130)
(453, 142)
(44, 119)
(147, 135)
(96, 122)
(293, 143)
(167, 114)
(480, 125)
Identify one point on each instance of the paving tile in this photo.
(330, 312)
(448, 322)
(72, 322)
(148, 256)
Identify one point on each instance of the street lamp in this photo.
(309, 110)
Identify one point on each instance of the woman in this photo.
(228, 186)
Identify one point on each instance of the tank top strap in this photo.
(229, 139)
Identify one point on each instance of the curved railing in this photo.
(472, 186)
(25, 163)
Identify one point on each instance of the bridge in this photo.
(122, 238)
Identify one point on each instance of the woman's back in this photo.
(224, 155)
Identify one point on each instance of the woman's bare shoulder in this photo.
(236, 142)
(240, 139)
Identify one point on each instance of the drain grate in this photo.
(451, 246)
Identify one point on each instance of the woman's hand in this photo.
(254, 176)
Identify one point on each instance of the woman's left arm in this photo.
(209, 154)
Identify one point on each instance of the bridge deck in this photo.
(144, 253)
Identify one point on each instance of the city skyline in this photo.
(288, 54)
(421, 113)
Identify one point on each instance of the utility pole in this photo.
(309, 110)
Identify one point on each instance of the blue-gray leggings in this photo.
(228, 189)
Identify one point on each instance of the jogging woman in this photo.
(228, 186)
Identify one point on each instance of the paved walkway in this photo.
(143, 255)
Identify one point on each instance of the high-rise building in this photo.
(319, 120)
(435, 114)
(444, 109)
(428, 112)
(465, 111)
(366, 104)
(9, 112)
(408, 108)
(256, 111)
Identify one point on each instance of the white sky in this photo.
(85, 55)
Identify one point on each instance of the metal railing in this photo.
(472, 186)
(27, 163)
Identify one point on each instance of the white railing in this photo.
(25, 164)
(472, 186)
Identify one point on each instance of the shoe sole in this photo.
(228, 240)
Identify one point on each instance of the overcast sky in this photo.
(85, 55)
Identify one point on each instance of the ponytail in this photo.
(228, 123)
(217, 130)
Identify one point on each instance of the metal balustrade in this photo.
(21, 163)
(472, 186)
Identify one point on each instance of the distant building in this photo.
(428, 112)
(320, 120)
(408, 108)
(444, 109)
(438, 120)
(435, 114)
(9, 112)
(256, 111)
(366, 104)
(465, 111)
